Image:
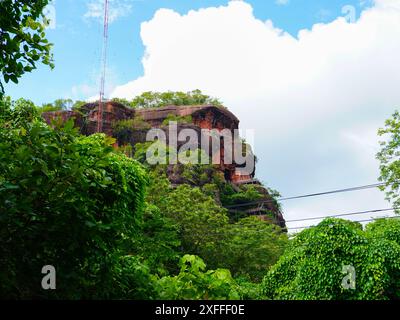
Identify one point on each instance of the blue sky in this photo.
(313, 83)
(77, 40)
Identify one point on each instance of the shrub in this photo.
(65, 200)
(194, 283)
(312, 266)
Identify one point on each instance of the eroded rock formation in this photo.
(201, 117)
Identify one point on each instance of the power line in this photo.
(365, 220)
(337, 215)
(370, 186)
(308, 226)
(295, 228)
(343, 214)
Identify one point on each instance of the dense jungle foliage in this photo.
(106, 221)
(117, 228)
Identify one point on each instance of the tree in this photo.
(57, 105)
(194, 283)
(389, 157)
(198, 217)
(69, 201)
(388, 229)
(336, 260)
(78, 104)
(123, 101)
(22, 38)
(161, 99)
(251, 246)
(248, 248)
(157, 242)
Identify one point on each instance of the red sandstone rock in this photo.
(203, 117)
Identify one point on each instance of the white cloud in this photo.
(388, 4)
(117, 9)
(83, 90)
(308, 97)
(90, 89)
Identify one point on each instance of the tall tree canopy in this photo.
(247, 247)
(22, 38)
(320, 261)
(69, 201)
(389, 157)
(152, 99)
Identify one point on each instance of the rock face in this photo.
(87, 117)
(201, 117)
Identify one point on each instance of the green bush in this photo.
(388, 229)
(122, 129)
(194, 283)
(178, 119)
(247, 193)
(161, 99)
(157, 242)
(250, 247)
(312, 265)
(65, 200)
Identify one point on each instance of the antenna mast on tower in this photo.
(104, 66)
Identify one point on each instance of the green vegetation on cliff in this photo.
(111, 227)
(116, 228)
(152, 99)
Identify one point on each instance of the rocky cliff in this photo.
(138, 121)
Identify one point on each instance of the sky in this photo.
(313, 79)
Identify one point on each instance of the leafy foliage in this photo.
(249, 290)
(123, 129)
(251, 247)
(385, 229)
(132, 279)
(248, 248)
(178, 119)
(78, 204)
(198, 217)
(194, 283)
(311, 267)
(22, 38)
(130, 124)
(247, 193)
(162, 99)
(389, 157)
(57, 105)
(123, 101)
(65, 200)
(157, 242)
